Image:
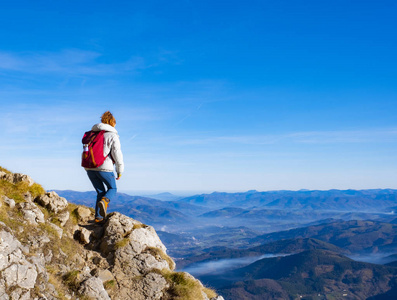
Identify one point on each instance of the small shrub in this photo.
(72, 279)
(109, 285)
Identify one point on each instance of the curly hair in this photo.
(108, 118)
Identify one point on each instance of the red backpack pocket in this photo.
(92, 156)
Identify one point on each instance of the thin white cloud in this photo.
(70, 61)
(310, 137)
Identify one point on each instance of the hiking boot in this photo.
(103, 206)
(97, 220)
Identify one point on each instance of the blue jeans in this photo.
(105, 186)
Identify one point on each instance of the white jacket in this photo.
(111, 146)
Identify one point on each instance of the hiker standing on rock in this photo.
(102, 150)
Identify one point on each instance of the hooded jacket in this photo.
(111, 147)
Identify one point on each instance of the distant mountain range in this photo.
(355, 236)
(144, 209)
(340, 200)
(312, 274)
(310, 234)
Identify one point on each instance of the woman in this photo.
(102, 177)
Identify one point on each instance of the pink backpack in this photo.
(93, 142)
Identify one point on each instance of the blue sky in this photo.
(208, 95)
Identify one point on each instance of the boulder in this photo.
(3, 294)
(9, 249)
(93, 287)
(31, 213)
(84, 236)
(10, 202)
(115, 229)
(15, 178)
(16, 270)
(145, 237)
(84, 214)
(18, 177)
(103, 275)
(6, 176)
(153, 286)
(52, 202)
(63, 217)
(20, 294)
(56, 228)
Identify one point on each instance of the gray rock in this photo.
(38, 241)
(15, 178)
(6, 176)
(23, 275)
(93, 287)
(115, 229)
(63, 217)
(58, 230)
(9, 249)
(142, 238)
(150, 286)
(153, 286)
(9, 202)
(48, 255)
(20, 294)
(31, 213)
(77, 259)
(28, 197)
(104, 275)
(39, 262)
(3, 294)
(18, 177)
(83, 235)
(52, 202)
(84, 213)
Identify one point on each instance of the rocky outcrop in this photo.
(52, 202)
(21, 271)
(15, 178)
(50, 249)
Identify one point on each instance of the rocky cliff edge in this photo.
(51, 249)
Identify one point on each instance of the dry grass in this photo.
(58, 285)
(122, 243)
(210, 293)
(156, 252)
(109, 285)
(183, 287)
(73, 214)
(17, 191)
(138, 226)
(72, 279)
(5, 170)
(12, 218)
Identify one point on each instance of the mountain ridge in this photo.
(52, 249)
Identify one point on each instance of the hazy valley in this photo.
(253, 245)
